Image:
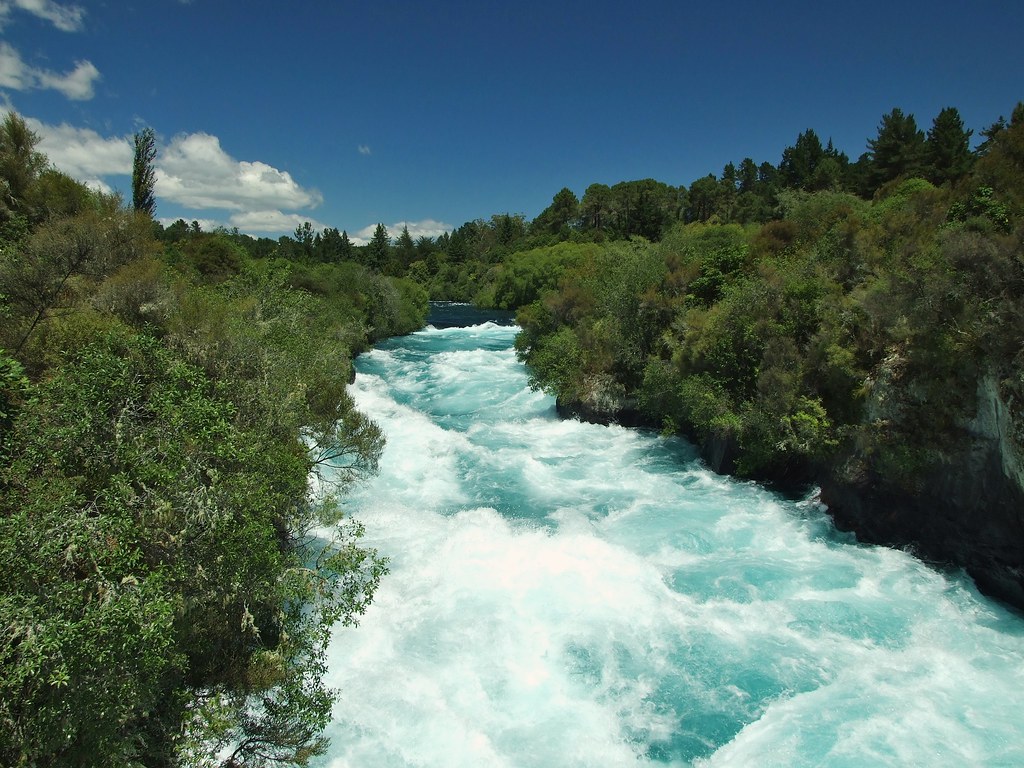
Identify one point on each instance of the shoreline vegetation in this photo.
(165, 394)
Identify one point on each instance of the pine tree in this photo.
(898, 150)
(379, 249)
(947, 148)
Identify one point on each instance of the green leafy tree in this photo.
(704, 197)
(20, 165)
(53, 267)
(156, 572)
(596, 206)
(334, 247)
(144, 173)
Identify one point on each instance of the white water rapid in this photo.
(566, 594)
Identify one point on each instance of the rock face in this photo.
(968, 512)
(604, 402)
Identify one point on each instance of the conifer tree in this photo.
(898, 150)
(379, 249)
(143, 173)
(947, 148)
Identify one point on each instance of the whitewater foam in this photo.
(567, 594)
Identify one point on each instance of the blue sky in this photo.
(271, 113)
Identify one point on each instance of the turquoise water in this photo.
(568, 594)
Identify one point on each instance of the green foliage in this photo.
(162, 597)
(947, 148)
(898, 150)
(800, 161)
(981, 211)
(563, 212)
(50, 270)
(144, 173)
(527, 275)
(56, 195)
(814, 214)
(702, 260)
(13, 388)
(378, 251)
(20, 166)
(555, 365)
(846, 333)
(161, 522)
(214, 257)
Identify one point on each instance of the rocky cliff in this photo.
(967, 510)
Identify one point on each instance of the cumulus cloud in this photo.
(82, 152)
(268, 222)
(16, 74)
(364, 150)
(193, 170)
(67, 18)
(417, 229)
(196, 172)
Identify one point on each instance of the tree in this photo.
(378, 250)
(596, 206)
(20, 164)
(50, 269)
(405, 249)
(947, 148)
(154, 582)
(643, 207)
(704, 195)
(564, 211)
(800, 161)
(304, 237)
(898, 150)
(329, 248)
(747, 175)
(143, 173)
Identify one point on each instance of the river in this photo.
(568, 594)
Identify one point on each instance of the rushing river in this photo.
(568, 594)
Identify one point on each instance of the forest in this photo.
(169, 577)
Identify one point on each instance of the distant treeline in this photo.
(454, 265)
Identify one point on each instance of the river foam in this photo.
(568, 594)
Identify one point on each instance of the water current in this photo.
(569, 594)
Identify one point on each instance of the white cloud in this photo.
(77, 85)
(193, 171)
(364, 150)
(196, 172)
(266, 222)
(417, 229)
(206, 225)
(67, 18)
(19, 76)
(81, 152)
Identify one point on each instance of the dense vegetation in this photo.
(768, 312)
(167, 578)
(166, 394)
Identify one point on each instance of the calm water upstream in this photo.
(567, 594)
